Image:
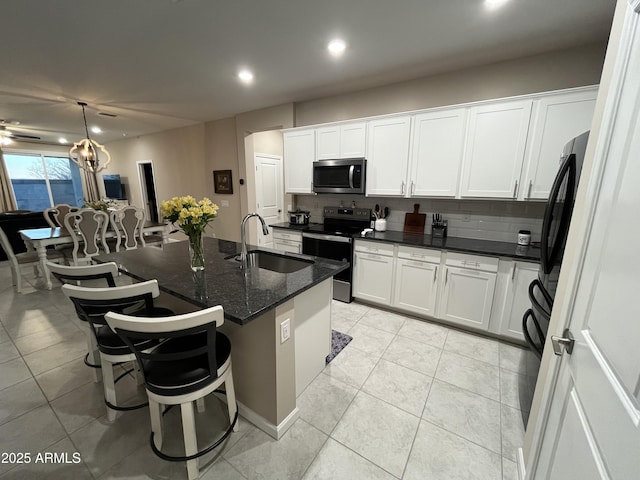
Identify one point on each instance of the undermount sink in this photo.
(273, 261)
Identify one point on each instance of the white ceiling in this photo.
(160, 64)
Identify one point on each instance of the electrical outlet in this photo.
(466, 217)
(285, 330)
(224, 203)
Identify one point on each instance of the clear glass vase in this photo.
(196, 251)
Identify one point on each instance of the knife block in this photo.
(438, 231)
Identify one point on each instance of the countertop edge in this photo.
(531, 255)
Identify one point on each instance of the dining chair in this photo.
(55, 215)
(127, 223)
(92, 304)
(88, 229)
(191, 360)
(23, 258)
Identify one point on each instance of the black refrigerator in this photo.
(555, 228)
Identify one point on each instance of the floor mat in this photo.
(338, 342)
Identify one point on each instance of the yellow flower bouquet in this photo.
(192, 217)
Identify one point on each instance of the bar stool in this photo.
(191, 361)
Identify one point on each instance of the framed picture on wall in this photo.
(222, 182)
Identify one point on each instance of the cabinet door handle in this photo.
(515, 189)
(435, 274)
(413, 188)
(402, 191)
(513, 273)
(446, 276)
(530, 186)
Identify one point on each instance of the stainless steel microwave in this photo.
(345, 175)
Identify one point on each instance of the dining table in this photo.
(39, 239)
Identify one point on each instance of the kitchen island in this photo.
(270, 370)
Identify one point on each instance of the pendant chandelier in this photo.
(85, 152)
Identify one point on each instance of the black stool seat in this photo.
(111, 344)
(188, 374)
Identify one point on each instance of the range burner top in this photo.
(339, 231)
(344, 222)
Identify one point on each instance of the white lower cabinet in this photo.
(472, 291)
(468, 285)
(512, 298)
(373, 272)
(416, 281)
(287, 241)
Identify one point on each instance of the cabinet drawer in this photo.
(289, 243)
(473, 262)
(378, 248)
(287, 235)
(420, 254)
(287, 246)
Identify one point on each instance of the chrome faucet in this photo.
(243, 252)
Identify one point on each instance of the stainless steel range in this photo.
(334, 239)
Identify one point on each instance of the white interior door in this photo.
(269, 193)
(593, 426)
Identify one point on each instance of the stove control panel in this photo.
(361, 214)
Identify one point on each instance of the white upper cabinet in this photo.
(556, 120)
(299, 154)
(388, 156)
(494, 150)
(347, 140)
(328, 142)
(438, 141)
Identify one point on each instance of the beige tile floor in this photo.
(405, 399)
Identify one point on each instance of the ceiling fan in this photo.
(9, 131)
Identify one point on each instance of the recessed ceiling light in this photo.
(62, 140)
(491, 4)
(336, 47)
(96, 129)
(245, 75)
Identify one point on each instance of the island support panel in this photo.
(264, 370)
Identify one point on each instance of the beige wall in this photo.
(551, 71)
(270, 143)
(178, 159)
(222, 154)
(274, 118)
(184, 158)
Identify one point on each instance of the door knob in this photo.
(564, 343)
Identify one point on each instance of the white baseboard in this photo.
(521, 465)
(276, 431)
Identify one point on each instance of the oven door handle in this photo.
(351, 168)
(329, 238)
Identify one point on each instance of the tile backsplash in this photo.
(498, 220)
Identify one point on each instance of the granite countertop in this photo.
(452, 244)
(458, 244)
(292, 226)
(244, 295)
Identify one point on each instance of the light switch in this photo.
(285, 330)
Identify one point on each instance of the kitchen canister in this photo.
(380, 225)
(524, 237)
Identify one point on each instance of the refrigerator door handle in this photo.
(549, 252)
(527, 336)
(545, 295)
